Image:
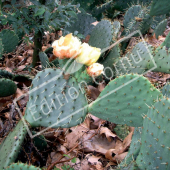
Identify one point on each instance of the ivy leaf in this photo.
(73, 160)
(40, 11)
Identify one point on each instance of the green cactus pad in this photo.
(83, 76)
(122, 5)
(132, 24)
(155, 146)
(1, 48)
(56, 102)
(6, 74)
(159, 30)
(83, 25)
(85, 4)
(97, 11)
(7, 87)
(12, 145)
(122, 131)
(101, 35)
(159, 7)
(135, 61)
(166, 42)
(161, 57)
(134, 148)
(109, 60)
(157, 20)
(131, 13)
(116, 29)
(123, 101)
(44, 60)
(54, 63)
(18, 166)
(9, 39)
(166, 90)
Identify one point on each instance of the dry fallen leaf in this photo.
(95, 122)
(114, 156)
(108, 133)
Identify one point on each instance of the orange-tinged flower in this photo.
(88, 55)
(95, 70)
(66, 47)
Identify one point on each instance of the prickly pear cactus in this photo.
(156, 21)
(7, 87)
(17, 166)
(6, 74)
(136, 18)
(155, 146)
(159, 7)
(44, 60)
(83, 25)
(109, 60)
(166, 42)
(135, 61)
(161, 57)
(12, 145)
(97, 11)
(9, 39)
(122, 131)
(159, 30)
(55, 101)
(116, 29)
(104, 40)
(124, 99)
(133, 150)
(122, 5)
(166, 90)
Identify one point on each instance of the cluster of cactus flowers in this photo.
(137, 104)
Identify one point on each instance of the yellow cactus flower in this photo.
(67, 47)
(88, 55)
(95, 70)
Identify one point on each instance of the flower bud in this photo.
(95, 70)
(67, 47)
(88, 55)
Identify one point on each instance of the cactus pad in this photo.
(7, 87)
(161, 57)
(57, 103)
(12, 144)
(44, 60)
(9, 39)
(6, 74)
(97, 11)
(109, 60)
(83, 25)
(166, 42)
(135, 61)
(154, 152)
(122, 131)
(124, 99)
(101, 35)
(134, 148)
(131, 21)
(166, 90)
(159, 30)
(159, 7)
(18, 166)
